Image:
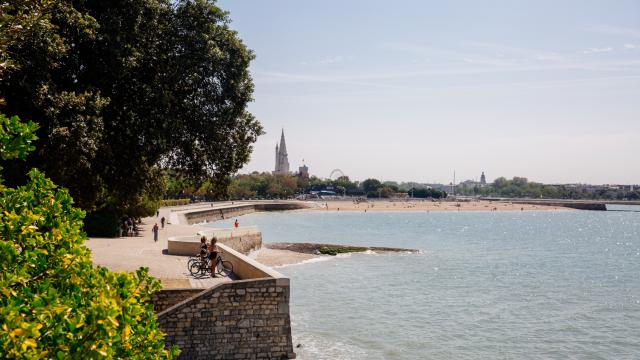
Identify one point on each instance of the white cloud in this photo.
(549, 57)
(631, 46)
(332, 59)
(597, 50)
(617, 30)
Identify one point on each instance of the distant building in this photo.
(483, 179)
(282, 158)
(303, 171)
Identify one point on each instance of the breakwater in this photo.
(597, 205)
(332, 249)
(247, 318)
(233, 210)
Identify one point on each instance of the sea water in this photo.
(485, 285)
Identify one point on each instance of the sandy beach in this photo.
(273, 257)
(428, 205)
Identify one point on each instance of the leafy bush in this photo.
(53, 302)
(175, 202)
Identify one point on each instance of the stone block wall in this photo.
(246, 319)
(167, 298)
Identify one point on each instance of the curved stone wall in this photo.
(214, 214)
(243, 241)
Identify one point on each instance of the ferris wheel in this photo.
(337, 173)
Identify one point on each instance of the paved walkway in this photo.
(130, 253)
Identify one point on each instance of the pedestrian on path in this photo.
(236, 224)
(162, 222)
(157, 213)
(155, 232)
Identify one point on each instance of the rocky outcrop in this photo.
(331, 249)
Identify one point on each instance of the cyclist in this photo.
(213, 255)
(203, 248)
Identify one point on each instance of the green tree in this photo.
(53, 302)
(124, 87)
(371, 185)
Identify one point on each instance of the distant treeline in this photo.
(520, 187)
(268, 186)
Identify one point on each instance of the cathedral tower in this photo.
(282, 159)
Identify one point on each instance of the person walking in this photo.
(162, 222)
(157, 213)
(236, 224)
(155, 232)
(129, 227)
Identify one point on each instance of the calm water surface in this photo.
(486, 285)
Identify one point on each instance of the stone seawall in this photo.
(231, 211)
(247, 319)
(209, 215)
(167, 298)
(597, 205)
(241, 241)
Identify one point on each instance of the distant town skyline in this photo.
(413, 90)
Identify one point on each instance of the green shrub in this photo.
(53, 302)
(175, 202)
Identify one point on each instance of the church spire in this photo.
(282, 159)
(283, 145)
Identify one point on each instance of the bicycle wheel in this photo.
(195, 268)
(225, 268)
(192, 259)
(205, 268)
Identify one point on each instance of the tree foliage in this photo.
(521, 187)
(124, 87)
(264, 185)
(16, 138)
(53, 302)
(427, 193)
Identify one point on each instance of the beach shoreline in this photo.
(415, 205)
(143, 251)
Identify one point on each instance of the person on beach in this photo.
(155, 232)
(236, 224)
(162, 222)
(213, 255)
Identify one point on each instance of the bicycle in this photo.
(198, 267)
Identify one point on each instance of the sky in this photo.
(415, 90)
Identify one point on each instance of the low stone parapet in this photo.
(243, 240)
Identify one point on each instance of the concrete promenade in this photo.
(129, 253)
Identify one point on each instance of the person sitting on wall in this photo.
(213, 255)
